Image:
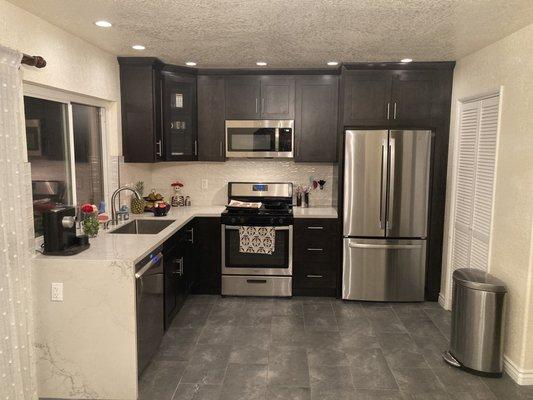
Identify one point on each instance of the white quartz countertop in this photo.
(132, 248)
(315, 212)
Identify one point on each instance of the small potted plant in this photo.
(90, 219)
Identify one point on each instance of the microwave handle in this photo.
(276, 139)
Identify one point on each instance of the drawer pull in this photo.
(315, 276)
(256, 280)
(315, 227)
(314, 249)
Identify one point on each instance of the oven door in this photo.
(261, 138)
(278, 263)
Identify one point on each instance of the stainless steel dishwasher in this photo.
(150, 300)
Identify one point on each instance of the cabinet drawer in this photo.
(315, 227)
(318, 251)
(315, 275)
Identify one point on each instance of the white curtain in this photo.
(17, 369)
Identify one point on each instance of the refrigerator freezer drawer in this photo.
(383, 270)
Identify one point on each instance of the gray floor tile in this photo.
(178, 344)
(370, 370)
(288, 335)
(374, 304)
(207, 365)
(384, 320)
(192, 316)
(348, 309)
(325, 392)
(314, 300)
(313, 309)
(376, 394)
(217, 335)
(202, 299)
(441, 318)
(327, 356)
(321, 322)
(353, 342)
(250, 354)
(194, 391)
(462, 385)
(296, 321)
(287, 307)
(436, 394)
(332, 376)
(313, 339)
(401, 351)
(355, 326)
(160, 379)
(417, 380)
(287, 366)
(243, 392)
(246, 375)
(254, 320)
(505, 388)
(244, 335)
(409, 310)
(288, 393)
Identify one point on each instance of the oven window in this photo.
(236, 259)
(251, 139)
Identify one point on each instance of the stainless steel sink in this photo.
(143, 227)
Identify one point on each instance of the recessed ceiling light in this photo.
(333, 63)
(190, 63)
(103, 24)
(261, 63)
(138, 47)
(406, 60)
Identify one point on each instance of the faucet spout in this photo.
(114, 219)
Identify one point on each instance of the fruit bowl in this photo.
(160, 211)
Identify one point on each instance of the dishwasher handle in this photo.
(154, 262)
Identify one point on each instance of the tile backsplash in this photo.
(159, 176)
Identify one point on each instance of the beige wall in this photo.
(507, 63)
(73, 65)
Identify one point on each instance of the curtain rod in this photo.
(34, 61)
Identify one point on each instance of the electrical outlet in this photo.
(204, 184)
(57, 291)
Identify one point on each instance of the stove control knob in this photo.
(272, 221)
(280, 220)
(241, 220)
(233, 220)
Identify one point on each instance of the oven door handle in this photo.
(277, 228)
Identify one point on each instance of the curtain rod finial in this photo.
(34, 61)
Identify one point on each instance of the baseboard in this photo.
(442, 301)
(521, 377)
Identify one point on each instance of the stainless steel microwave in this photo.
(260, 138)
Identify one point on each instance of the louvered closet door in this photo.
(464, 182)
(484, 183)
(475, 183)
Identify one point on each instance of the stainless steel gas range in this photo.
(251, 274)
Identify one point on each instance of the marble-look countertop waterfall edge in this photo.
(128, 249)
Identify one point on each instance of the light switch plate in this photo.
(204, 184)
(57, 291)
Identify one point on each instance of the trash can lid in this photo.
(479, 280)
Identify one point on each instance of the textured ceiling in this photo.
(288, 33)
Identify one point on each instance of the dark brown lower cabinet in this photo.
(208, 253)
(316, 257)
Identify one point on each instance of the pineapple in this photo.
(137, 205)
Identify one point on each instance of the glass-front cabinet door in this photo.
(179, 118)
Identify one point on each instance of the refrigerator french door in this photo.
(386, 192)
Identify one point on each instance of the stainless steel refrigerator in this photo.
(385, 216)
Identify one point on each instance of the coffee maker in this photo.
(59, 225)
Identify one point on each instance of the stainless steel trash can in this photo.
(477, 322)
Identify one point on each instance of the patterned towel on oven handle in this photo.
(257, 239)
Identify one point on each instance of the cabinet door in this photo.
(174, 283)
(179, 102)
(316, 118)
(211, 115)
(413, 97)
(277, 97)
(140, 89)
(243, 97)
(207, 238)
(367, 98)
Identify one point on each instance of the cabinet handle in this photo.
(178, 261)
(262, 105)
(159, 148)
(220, 148)
(394, 112)
(256, 105)
(196, 147)
(315, 227)
(161, 117)
(314, 249)
(315, 276)
(191, 238)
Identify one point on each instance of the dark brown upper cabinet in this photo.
(140, 92)
(316, 118)
(388, 97)
(180, 141)
(260, 97)
(211, 116)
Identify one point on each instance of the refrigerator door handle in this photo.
(392, 155)
(383, 246)
(383, 185)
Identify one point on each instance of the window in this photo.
(64, 143)
(474, 182)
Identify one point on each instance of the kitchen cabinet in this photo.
(180, 141)
(211, 118)
(208, 255)
(316, 258)
(389, 97)
(260, 97)
(140, 88)
(316, 118)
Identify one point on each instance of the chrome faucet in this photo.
(114, 219)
